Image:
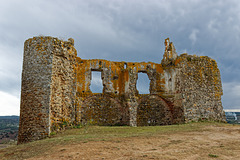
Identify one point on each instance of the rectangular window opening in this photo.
(143, 83)
(96, 82)
(125, 65)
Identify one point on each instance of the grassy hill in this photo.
(205, 140)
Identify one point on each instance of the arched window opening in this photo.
(143, 83)
(96, 82)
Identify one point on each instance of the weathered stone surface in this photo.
(56, 90)
(48, 87)
(199, 83)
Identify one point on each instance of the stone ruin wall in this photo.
(120, 103)
(48, 87)
(56, 90)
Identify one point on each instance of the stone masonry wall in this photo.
(56, 90)
(62, 104)
(48, 87)
(35, 96)
(120, 103)
(199, 83)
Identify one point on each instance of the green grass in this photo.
(96, 133)
(212, 155)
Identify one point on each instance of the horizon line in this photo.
(231, 110)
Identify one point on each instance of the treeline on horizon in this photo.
(8, 128)
(9, 117)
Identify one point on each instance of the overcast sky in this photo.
(122, 30)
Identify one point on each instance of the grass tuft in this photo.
(213, 155)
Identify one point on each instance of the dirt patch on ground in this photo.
(212, 143)
(3, 146)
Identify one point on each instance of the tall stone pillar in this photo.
(46, 60)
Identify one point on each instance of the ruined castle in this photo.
(56, 90)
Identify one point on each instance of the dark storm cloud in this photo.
(124, 30)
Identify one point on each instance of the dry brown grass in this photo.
(188, 141)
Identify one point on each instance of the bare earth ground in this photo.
(3, 146)
(208, 142)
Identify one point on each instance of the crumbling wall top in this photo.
(170, 54)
